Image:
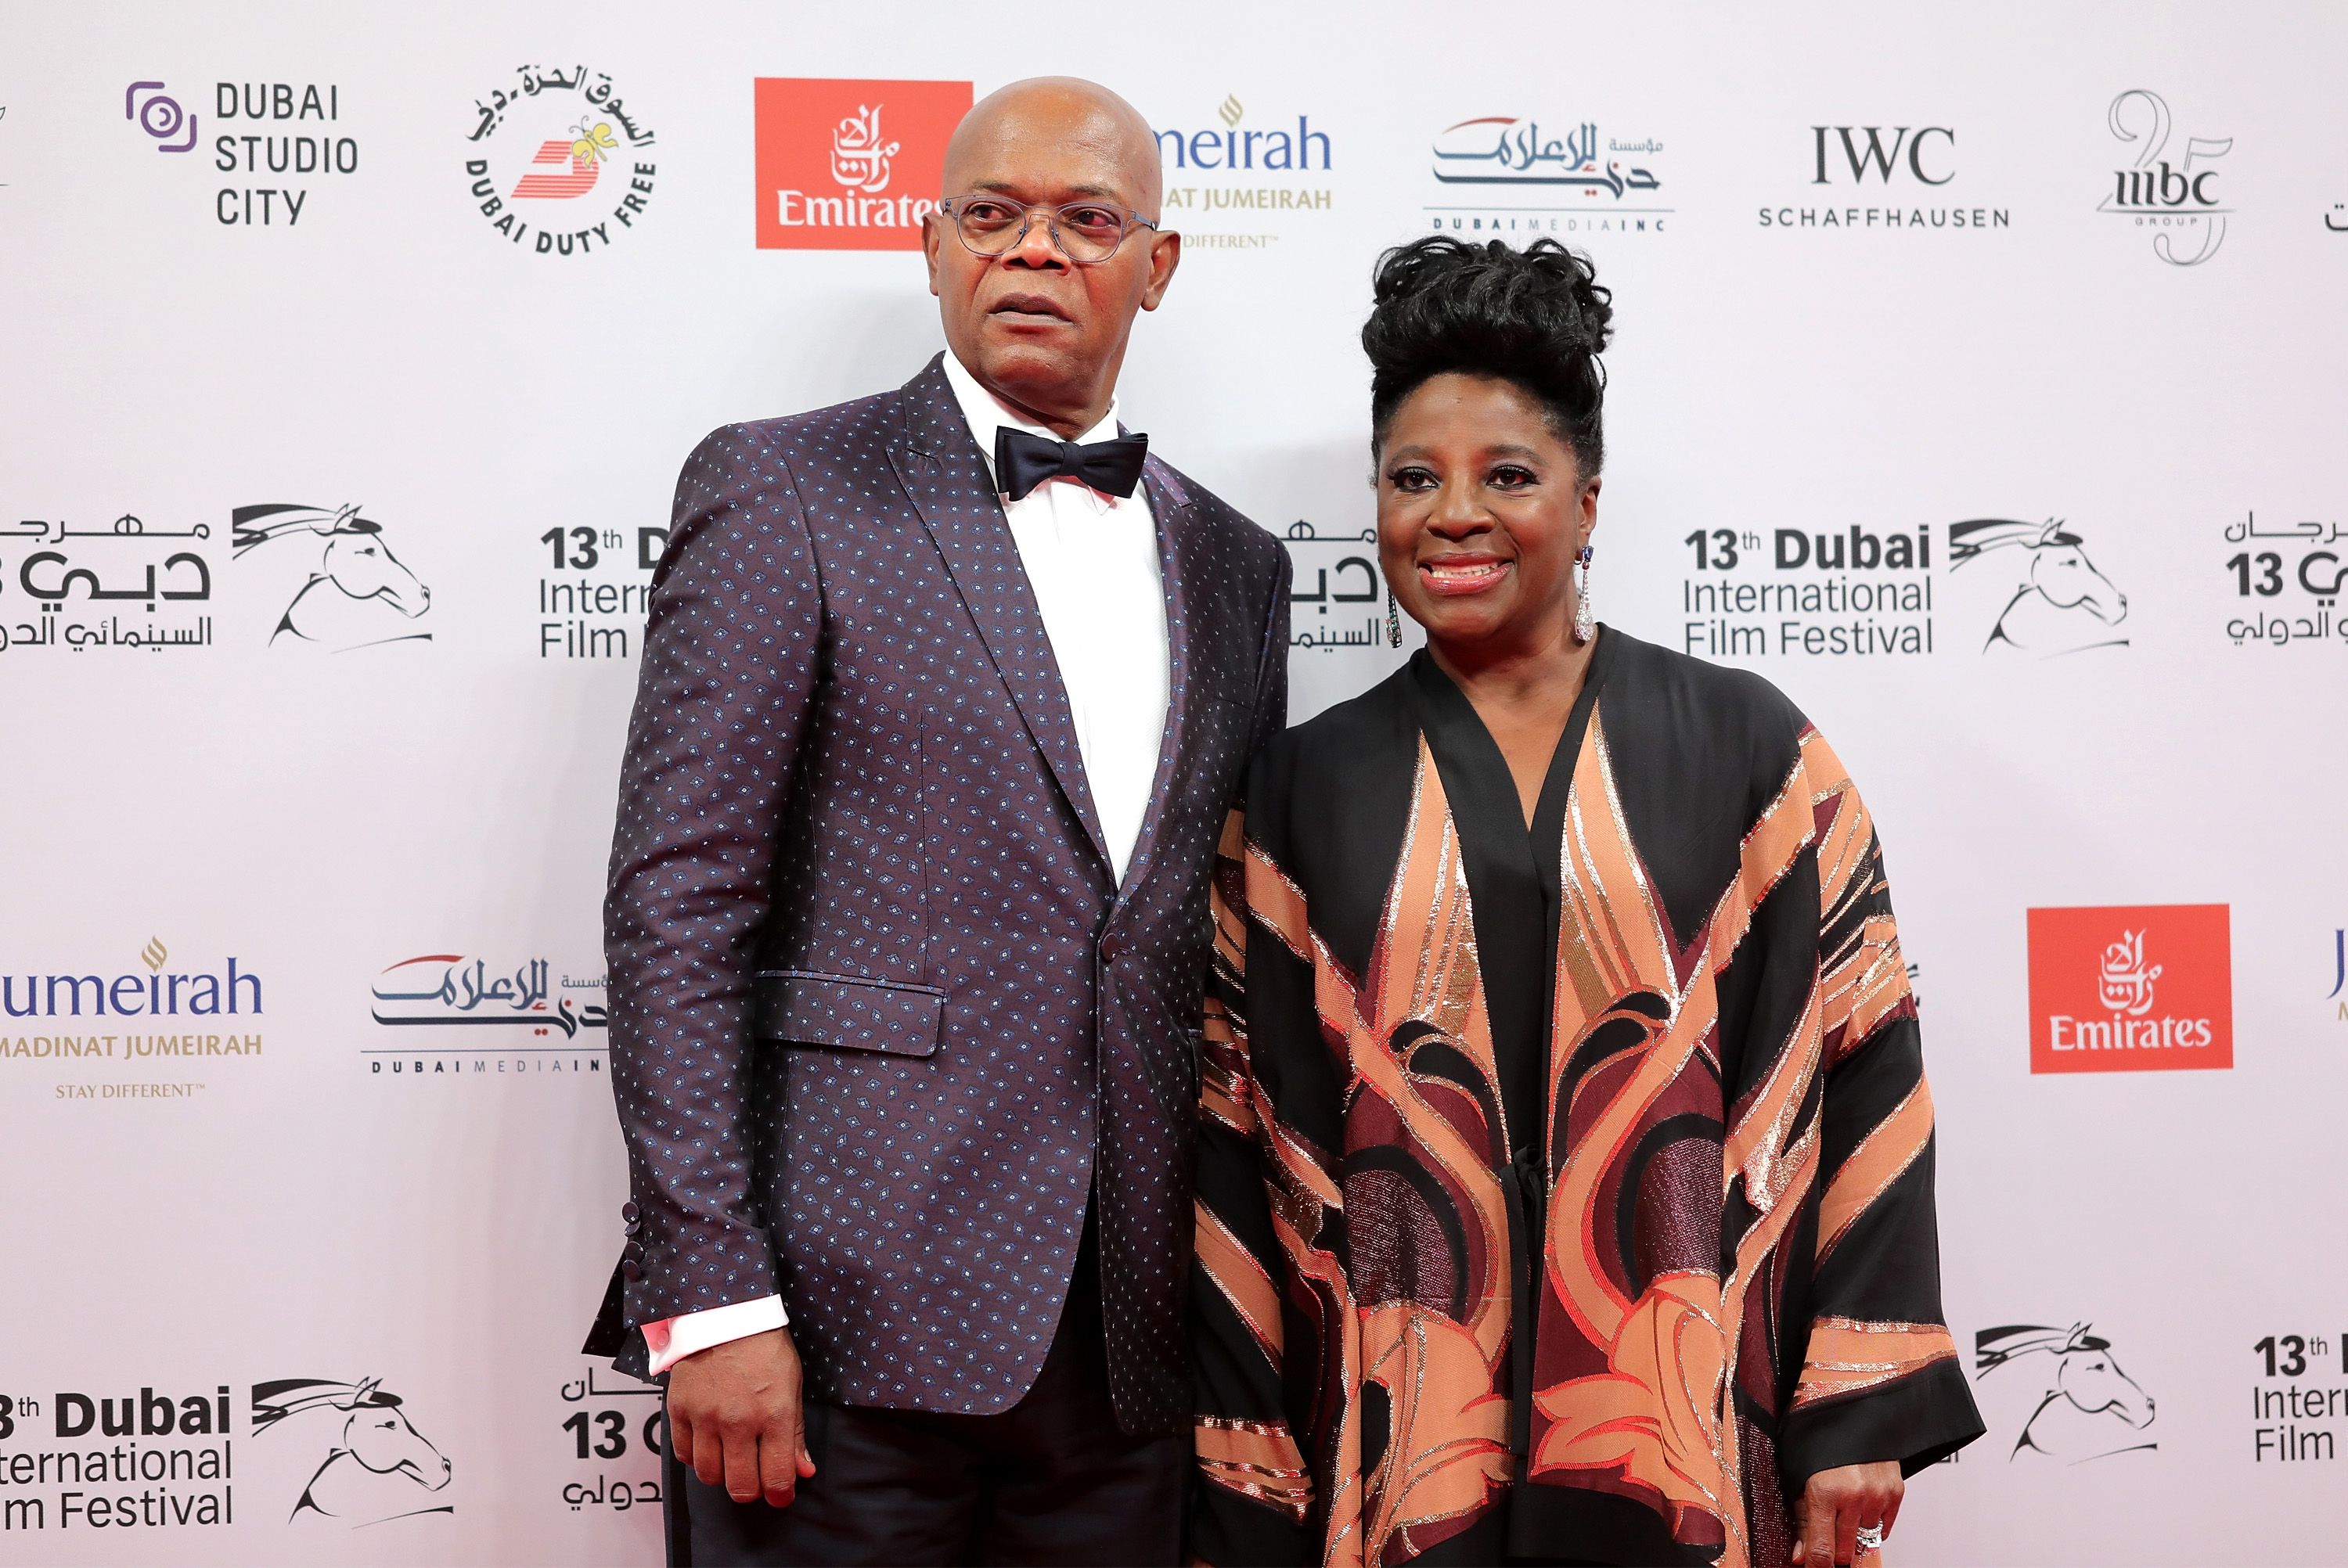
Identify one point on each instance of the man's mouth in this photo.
(1462, 574)
(1028, 310)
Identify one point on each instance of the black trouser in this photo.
(1050, 1480)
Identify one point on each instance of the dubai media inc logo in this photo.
(850, 165)
(2141, 988)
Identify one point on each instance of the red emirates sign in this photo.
(851, 165)
(2141, 988)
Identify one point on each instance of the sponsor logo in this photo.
(1849, 592)
(76, 588)
(850, 165)
(373, 1464)
(157, 1015)
(1335, 589)
(1242, 173)
(2062, 1393)
(275, 140)
(2058, 601)
(1886, 163)
(545, 1025)
(107, 1470)
(2142, 988)
(604, 1424)
(1509, 176)
(2279, 569)
(2339, 974)
(584, 617)
(338, 580)
(2172, 192)
(151, 107)
(570, 175)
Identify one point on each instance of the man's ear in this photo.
(1164, 255)
(932, 227)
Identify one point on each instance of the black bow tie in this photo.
(1023, 461)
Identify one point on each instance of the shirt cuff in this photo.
(672, 1339)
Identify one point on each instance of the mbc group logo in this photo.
(2137, 990)
(851, 165)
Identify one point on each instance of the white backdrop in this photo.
(393, 1172)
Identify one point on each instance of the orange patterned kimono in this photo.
(1565, 1189)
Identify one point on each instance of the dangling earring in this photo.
(1394, 619)
(1583, 627)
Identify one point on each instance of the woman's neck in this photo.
(1521, 681)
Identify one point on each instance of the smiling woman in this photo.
(1565, 1182)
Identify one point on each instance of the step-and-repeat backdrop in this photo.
(1979, 380)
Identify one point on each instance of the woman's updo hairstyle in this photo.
(1538, 317)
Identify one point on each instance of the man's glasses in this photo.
(1085, 232)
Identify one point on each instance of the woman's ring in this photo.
(1870, 1539)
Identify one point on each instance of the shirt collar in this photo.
(986, 414)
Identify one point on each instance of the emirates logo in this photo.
(2122, 981)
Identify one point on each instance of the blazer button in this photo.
(633, 1225)
(629, 1212)
(630, 1270)
(1109, 948)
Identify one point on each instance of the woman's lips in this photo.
(1463, 576)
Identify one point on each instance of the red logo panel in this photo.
(849, 164)
(2145, 989)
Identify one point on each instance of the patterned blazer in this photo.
(881, 1015)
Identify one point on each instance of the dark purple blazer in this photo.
(881, 1015)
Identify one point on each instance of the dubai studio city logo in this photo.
(1233, 184)
(850, 165)
(1902, 172)
(2062, 1392)
(540, 1023)
(275, 142)
(570, 175)
(2171, 192)
(2131, 989)
(2054, 601)
(1514, 177)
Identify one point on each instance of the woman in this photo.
(1565, 1189)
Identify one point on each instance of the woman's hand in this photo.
(1838, 1504)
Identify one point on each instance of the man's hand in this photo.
(1838, 1503)
(734, 1417)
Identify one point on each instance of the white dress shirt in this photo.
(1091, 562)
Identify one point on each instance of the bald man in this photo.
(944, 697)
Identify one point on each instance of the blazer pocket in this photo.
(841, 1012)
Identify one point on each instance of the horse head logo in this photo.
(2086, 1406)
(2060, 603)
(356, 595)
(375, 1460)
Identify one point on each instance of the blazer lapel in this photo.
(1169, 506)
(939, 467)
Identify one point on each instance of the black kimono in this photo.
(1564, 1193)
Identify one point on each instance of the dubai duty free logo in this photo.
(557, 163)
(2136, 988)
(850, 165)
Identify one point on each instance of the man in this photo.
(945, 693)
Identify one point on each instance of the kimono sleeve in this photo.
(1254, 1490)
(1880, 1378)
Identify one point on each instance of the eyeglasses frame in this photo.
(1027, 211)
